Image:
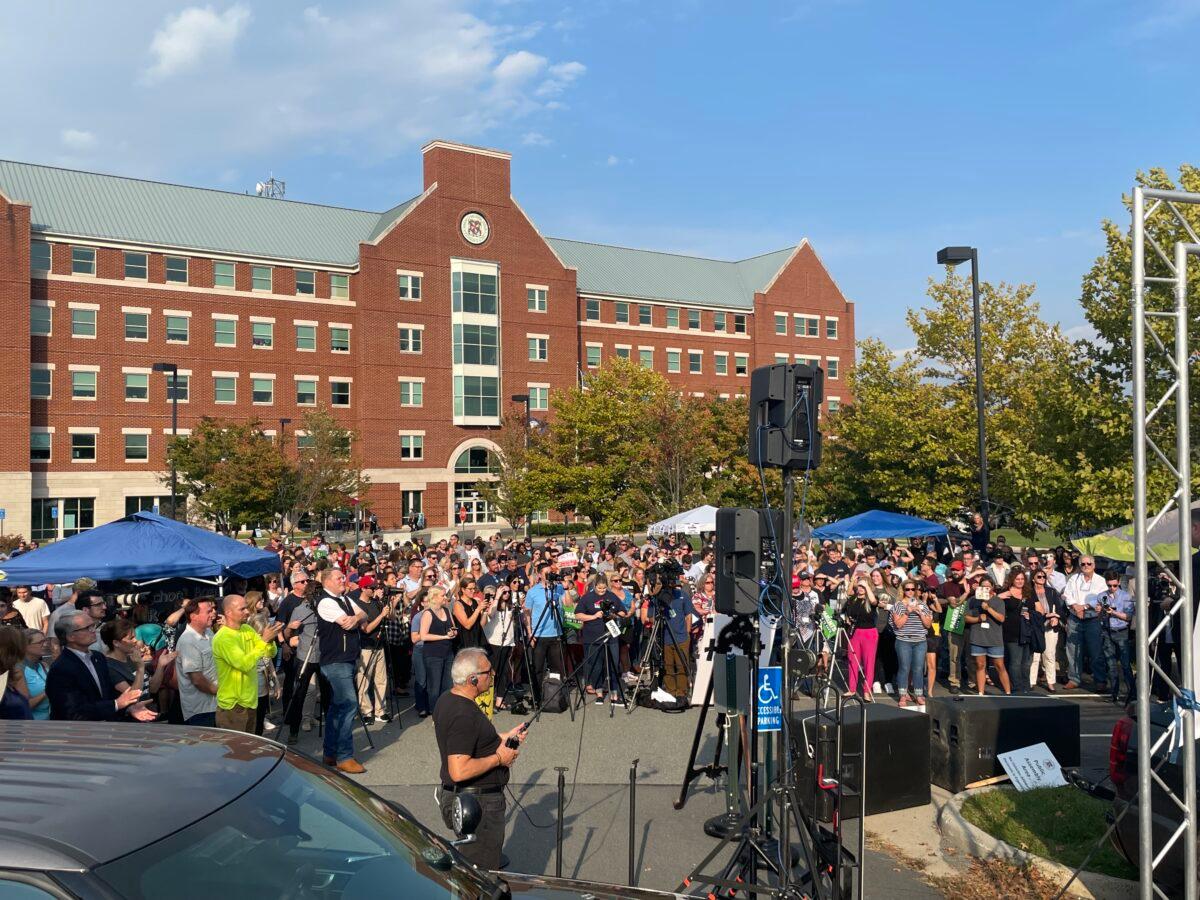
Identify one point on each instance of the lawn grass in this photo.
(1042, 539)
(1061, 823)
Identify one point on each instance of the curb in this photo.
(974, 841)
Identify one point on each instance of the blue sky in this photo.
(879, 130)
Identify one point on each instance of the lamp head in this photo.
(520, 398)
(164, 367)
(952, 256)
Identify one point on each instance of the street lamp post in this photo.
(173, 370)
(283, 424)
(950, 256)
(524, 398)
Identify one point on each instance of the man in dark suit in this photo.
(78, 684)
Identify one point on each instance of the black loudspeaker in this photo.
(897, 760)
(747, 540)
(967, 733)
(784, 430)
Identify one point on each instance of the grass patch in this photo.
(1061, 824)
(1041, 539)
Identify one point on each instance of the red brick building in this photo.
(415, 326)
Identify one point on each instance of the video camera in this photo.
(667, 573)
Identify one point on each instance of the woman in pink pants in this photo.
(860, 610)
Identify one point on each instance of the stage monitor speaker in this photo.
(747, 541)
(968, 733)
(784, 429)
(897, 760)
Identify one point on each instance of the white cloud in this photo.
(1084, 332)
(186, 38)
(612, 160)
(314, 16)
(535, 139)
(75, 139)
(562, 75)
(519, 67)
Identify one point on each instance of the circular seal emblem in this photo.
(474, 228)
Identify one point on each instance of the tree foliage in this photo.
(327, 473)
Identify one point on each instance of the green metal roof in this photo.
(651, 275)
(109, 207)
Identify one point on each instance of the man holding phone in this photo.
(475, 757)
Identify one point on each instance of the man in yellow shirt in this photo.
(236, 649)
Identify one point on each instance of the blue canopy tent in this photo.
(142, 548)
(875, 523)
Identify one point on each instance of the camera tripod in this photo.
(654, 652)
(553, 598)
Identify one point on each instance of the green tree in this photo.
(232, 472)
(512, 494)
(326, 473)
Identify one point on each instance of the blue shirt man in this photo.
(543, 622)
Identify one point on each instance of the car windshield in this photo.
(300, 833)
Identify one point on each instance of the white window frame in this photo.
(419, 283)
(270, 288)
(409, 381)
(224, 317)
(836, 372)
(833, 404)
(313, 273)
(233, 376)
(47, 305)
(599, 354)
(76, 369)
(542, 349)
(541, 301)
(649, 311)
(836, 331)
(217, 263)
(693, 354)
(800, 325)
(699, 326)
(348, 328)
(187, 270)
(170, 380)
(184, 314)
(587, 307)
(406, 326)
(136, 432)
(678, 352)
(80, 431)
(741, 323)
(41, 367)
(143, 311)
(262, 376)
(262, 320)
(641, 362)
(419, 447)
(741, 360)
(49, 432)
(94, 309)
(49, 252)
(781, 323)
(628, 348)
(316, 383)
(720, 360)
(618, 305)
(341, 379)
(672, 313)
(130, 370)
(86, 274)
(145, 266)
(543, 389)
(333, 291)
(305, 323)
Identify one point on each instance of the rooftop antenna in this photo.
(272, 188)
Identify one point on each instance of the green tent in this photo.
(1118, 543)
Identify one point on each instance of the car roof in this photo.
(78, 794)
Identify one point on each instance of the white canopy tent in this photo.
(694, 521)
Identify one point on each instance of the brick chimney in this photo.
(469, 173)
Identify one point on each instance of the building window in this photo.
(781, 358)
(306, 337)
(739, 324)
(40, 320)
(411, 504)
(741, 363)
(339, 393)
(73, 514)
(622, 312)
(673, 362)
(622, 352)
(695, 361)
(77, 515)
(721, 363)
(474, 461)
(135, 266)
(178, 386)
(224, 389)
(83, 385)
(693, 319)
(672, 317)
(39, 446)
(831, 328)
(224, 275)
(260, 278)
(645, 314)
(473, 292)
(831, 367)
(536, 299)
(646, 358)
(137, 386)
(591, 310)
(781, 325)
(225, 332)
(177, 329)
(539, 349)
(475, 345)
(39, 383)
(39, 256)
(306, 282)
(306, 392)
(339, 339)
(539, 398)
(807, 326)
(412, 393)
(149, 504)
(83, 260)
(409, 286)
(137, 326)
(83, 448)
(593, 357)
(476, 395)
(412, 446)
(305, 441)
(833, 404)
(262, 335)
(177, 269)
(339, 287)
(410, 340)
(137, 447)
(719, 322)
(83, 323)
(262, 391)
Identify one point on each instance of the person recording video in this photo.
(475, 759)
(594, 610)
(543, 617)
(667, 600)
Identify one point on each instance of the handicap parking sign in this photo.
(769, 698)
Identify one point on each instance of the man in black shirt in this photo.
(475, 759)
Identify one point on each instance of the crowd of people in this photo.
(376, 626)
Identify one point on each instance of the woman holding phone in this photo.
(985, 616)
(437, 644)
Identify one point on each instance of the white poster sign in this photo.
(1032, 767)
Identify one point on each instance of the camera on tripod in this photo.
(666, 572)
